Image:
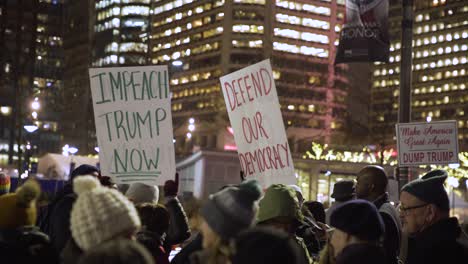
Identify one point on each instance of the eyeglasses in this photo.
(403, 209)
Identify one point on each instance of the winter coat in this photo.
(154, 244)
(26, 245)
(307, 231)
(179, 230)
(54, 220)
(183, 257)
(71, 253)
(437, 244)
(392, 238)
(205, 257)
(330, 210)
(362, 254)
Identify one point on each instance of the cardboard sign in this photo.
(132, 111)
(255, 115)
(427, 143)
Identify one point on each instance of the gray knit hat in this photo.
(430, 189)
(233, 209)
(141, 193)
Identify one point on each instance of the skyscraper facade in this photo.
(77, 124)
(203, 40)
(120, 32)
(31, 39)
(440, 79)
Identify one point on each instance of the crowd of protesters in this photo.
(92, 220)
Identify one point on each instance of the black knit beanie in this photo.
(84, 169)
(359, 218)
(430, 189)
(265, 245)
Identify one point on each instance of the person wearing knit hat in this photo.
(358, 228)
(424, 211)
(85, 169)
(118, 251)
(224, 215)
(20, 240)
(54, 219)
(279, 209)
(5, 183)
(100, 214)
(265, 245)
(155, 223)
(142, 193)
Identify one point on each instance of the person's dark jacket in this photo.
(179, 230)
(308, 231)
(437, 244)
(183, 257)
(54, 220)
(154, 244)
(392, 237)
(71, 253)
(26, 245)
(362, 254)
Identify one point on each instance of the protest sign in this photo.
(364, 36)
(132, 112)
(427, 143)
(255, 115)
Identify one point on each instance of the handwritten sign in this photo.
(255, 115)
(132, 111)
(427, 143)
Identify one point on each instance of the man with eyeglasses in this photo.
(432, 234)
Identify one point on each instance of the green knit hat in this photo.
(279, 201)
(430, 189)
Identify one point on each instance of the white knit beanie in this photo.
(142, 193)
(100, 214)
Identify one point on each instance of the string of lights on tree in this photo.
(323, 152)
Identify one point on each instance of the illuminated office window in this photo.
(247, 28)
(256, 2)
(135, 10)
(304, 7)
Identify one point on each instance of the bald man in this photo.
(371, 185)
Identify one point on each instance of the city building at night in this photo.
(31, 62)
(77, 124)
(440, 79)
(106, 33)
(120, 33)
(204, 40)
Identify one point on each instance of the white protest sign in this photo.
(427, 143)
(132, 111)
(255, 115)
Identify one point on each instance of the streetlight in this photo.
(35, 105)
(177, 63)
(5, 110)
(30, 128)
(72, 150)
(66, 150)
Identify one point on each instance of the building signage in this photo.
(255, 115)
(132, 112)
(427, 143)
